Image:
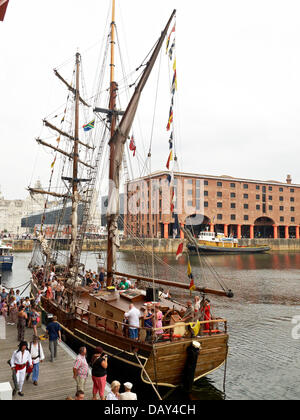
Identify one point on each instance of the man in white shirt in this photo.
(37, 355)
(18, 364)
(54, 285)
(133, 316)
(128, 395)
(38, 298)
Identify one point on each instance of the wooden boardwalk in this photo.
(56, 379)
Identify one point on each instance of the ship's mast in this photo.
(75, 197)
(112, 218)
(119, 136)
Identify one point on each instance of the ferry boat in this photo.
(210, 242)
(6, 256)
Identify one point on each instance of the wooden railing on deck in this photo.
(118, 328)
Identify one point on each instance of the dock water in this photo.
(56, 379)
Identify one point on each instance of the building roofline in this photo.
(221, 178)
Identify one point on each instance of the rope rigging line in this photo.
(126, 91)
(20, 285)
(200, 261)
(177, 271)
(210, 266)
(155, 103)
(156, 257)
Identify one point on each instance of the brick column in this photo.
(251, 231)
(239, 231)
(226, 230)
(166, 230)
(297, 232)
(275, 231)
(286, 232)
(181, 233)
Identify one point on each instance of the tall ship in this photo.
(164, 353)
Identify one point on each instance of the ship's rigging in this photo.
(112, 129)
(87, 316)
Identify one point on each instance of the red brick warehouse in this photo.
(239, 207)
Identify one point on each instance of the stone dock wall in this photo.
(163, 246)
(275, 244)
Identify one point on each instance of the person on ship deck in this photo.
(123, 285)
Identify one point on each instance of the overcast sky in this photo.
(238, 63)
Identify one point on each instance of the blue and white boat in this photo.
(6, 256)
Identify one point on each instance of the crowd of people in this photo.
(19, 311)
(26, 361)
(154, 319)
(23, 312)
(49, 286)
(98, 366)
(53, 288)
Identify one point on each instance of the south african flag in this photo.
(89, 126)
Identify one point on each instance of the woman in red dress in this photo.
(206, 312)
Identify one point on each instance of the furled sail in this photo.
(118, 140)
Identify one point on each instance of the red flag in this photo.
(192, 284)
(3, 7)
(132, 146)
(169, 160)
(173, 200)
(179, 251)
(170, 119)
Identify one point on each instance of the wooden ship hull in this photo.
(160, 363)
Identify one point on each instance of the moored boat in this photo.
(210, 242)
(6, 256)
(98, 319)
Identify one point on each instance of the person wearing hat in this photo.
(37, 356)
(128, 395)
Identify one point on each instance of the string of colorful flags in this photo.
(170, 51)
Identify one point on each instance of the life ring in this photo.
(211, 331)
(169, 335)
